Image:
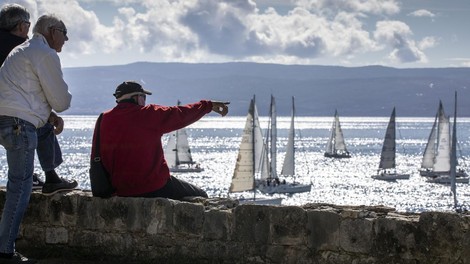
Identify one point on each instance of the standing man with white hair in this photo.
(14, 28)
(31, 86)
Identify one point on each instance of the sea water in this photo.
(214, 143)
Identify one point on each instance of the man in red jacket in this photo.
(131, 146)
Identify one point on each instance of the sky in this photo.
(401, 34)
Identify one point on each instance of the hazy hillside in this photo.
(360, 91)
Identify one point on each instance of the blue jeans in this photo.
(20, 147)
(48, 150)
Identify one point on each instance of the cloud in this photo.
(427, 42)
(397, 35)
(461, 62)
(352, 6)
(208, 30)
(422, 13)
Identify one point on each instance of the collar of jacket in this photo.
(130, 100)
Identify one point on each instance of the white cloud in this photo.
(355, 6)
(208, 30)
(461, 62)
(397, 35)
(428, 42)
(422, 13)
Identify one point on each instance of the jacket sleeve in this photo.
(53, 84)
(175, 117)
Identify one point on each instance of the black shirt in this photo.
(8, 42)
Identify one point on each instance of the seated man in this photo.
(131, 146)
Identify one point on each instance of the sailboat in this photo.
(272, 184)
(178, 154)
(336, 147)
(387, 170)
(436, 163)
(252, 160)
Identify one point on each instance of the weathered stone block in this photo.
(356, 235)
(288, 255)
(217, 225)
(323, 230)
(441, 233)
(57, 235)
(38, 209)
(61, 208)
(88, 215)
(395, 237)
(188, 218)
(160, 215)
(252, 224)
(289, 226)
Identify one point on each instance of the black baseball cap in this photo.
(128, 87)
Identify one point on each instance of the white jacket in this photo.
(31, 82)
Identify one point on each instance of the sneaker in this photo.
(53, 188)
(37, 183)
(16, 258)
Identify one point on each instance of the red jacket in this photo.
(131, 145)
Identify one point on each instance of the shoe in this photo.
(53, 188)
(16, 258)
(37, 183)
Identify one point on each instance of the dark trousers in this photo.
(176, 189)
(48, 149)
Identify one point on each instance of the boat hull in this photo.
(285, 188)
(447, 180)
(391, 177)
(261, 201)
(337, 155)
(433, 174)
(186, 169)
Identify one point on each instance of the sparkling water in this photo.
(215, 140)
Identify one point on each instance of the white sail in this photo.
(252, 156)
(331, 140)
(288, 167)
(442, 160)
(336, 147)
(177, 149)
(387, 167)
(274, 184)
(339, 138)
(430, 150)
(387, 158)
(443, 169)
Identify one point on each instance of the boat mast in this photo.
(273, 137)
(253, 136)
(453, 155)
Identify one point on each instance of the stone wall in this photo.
(155, 230)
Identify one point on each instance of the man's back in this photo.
(31, 82)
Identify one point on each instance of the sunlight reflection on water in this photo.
(214, 143)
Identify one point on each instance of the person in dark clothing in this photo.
(131, 146)
(14, 28)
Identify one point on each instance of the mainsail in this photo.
(336, 147)
(288, 167)
(442, 159)
(177, 149)
(387, 158)
(252, 157)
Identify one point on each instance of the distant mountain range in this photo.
(318, 90)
